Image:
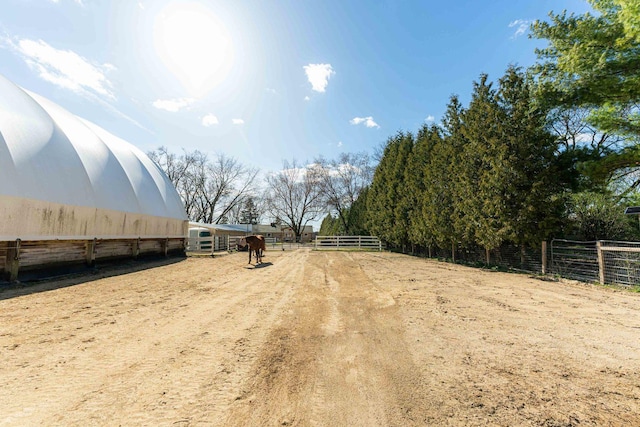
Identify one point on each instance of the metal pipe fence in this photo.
(603, 261)
(348, 242)
(574, 260)
(620, 262)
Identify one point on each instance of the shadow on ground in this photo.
(48, 280)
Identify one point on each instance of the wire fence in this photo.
(574, 260)
(621, 262)
(603, 261)
(508, 256)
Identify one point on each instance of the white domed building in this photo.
(71, 192)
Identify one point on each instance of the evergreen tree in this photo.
(403, 197)
(379, 216)
(357, 214)
(387, 215)
(420, 181)
(330, 226)
(480, 187)
(526, 180)
(442, 208)
(249, 213)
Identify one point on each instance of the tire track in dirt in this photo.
(368, 375)
(339, 358)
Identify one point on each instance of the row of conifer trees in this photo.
(492, 172)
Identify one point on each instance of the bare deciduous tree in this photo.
(294, 195)
(573, 130)
(209, 190)
(228, 184)
(186, 172)
(341, 182)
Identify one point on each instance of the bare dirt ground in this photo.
(317, 339)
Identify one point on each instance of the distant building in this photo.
(281, 233)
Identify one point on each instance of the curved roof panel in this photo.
(49, 154)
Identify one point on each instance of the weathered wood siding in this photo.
(3, 257)
(106, 249)
(51, 252)
(150, 246)
(32, 255)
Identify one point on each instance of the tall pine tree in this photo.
(480, 188)
(524, 171)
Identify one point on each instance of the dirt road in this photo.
(317, 339)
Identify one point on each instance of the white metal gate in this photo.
(348, 242)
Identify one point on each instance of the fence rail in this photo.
(348, 242)
(574, 260)
(209, 244)
(603, 261)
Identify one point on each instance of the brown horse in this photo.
(257, 244)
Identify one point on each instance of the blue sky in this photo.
(263, 80)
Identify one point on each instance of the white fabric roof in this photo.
(47, 153)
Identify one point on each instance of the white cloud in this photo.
(318, 75)
(429, 118)
(173, 105)
(339, 144)
(80, 2)
(306, 98)
(209, 120)
(367, 121)
(273, 91)
(237, 121)
(69, 70)
(64, 68)
(522, 25)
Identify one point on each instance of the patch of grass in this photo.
(626, 288)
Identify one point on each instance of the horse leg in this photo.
(249, 254)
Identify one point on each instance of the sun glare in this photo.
(194, 45)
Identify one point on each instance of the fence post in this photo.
(544, 257)
(12, 261)
(90, 252)
(165, 246)
(600, 261)
(135, 248)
